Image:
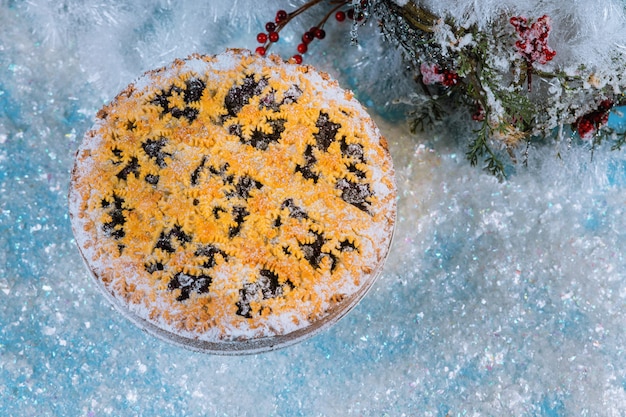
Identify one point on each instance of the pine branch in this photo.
(489, 71)
(620, 140)
(617, 146)
(427, 114)
(480, 150)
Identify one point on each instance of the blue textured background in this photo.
(498, 298)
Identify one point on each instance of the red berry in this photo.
(270, 27)
(280, 16)
(274, 37)
(313, 30)
(302, 48)
(340, 16)
(585, 128)
(604, 119)
(352, 15)
(605, 105)
(307, 37)
(261, 37)
(260, 50)
(479, 113)
(596, 117)
(450, 78)
(298, 59)
(320, 34)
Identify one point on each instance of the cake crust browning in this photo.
(230, 202)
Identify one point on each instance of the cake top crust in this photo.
(233, 202)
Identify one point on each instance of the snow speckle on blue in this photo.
(498, 298)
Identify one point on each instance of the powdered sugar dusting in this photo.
(174, 310)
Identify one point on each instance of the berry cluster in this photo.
(533, 42)
(338, 9)
(479, 113)
(588, 124)
(432, 74)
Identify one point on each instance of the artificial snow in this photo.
(498, 298)
(588, 33)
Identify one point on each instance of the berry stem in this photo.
(277, 27)
(339, 5)
(283, 18)
(301, 9)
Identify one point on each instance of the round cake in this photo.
(233, 203)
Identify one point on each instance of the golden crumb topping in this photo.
(231, 196)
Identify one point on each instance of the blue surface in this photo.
(617, 118)
(497, 299)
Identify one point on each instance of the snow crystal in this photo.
(583, 32)
(498, 298)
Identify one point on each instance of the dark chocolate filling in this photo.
(154, 149)
(355, 193)
(239, 214)
(167, 240)
(239, 95)
(309, 163)
(327, 131)
(115, 228)
(209, 251)
(266, 286)
(312, 252)
(131, 168)
(191, 93)
(189, 283)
